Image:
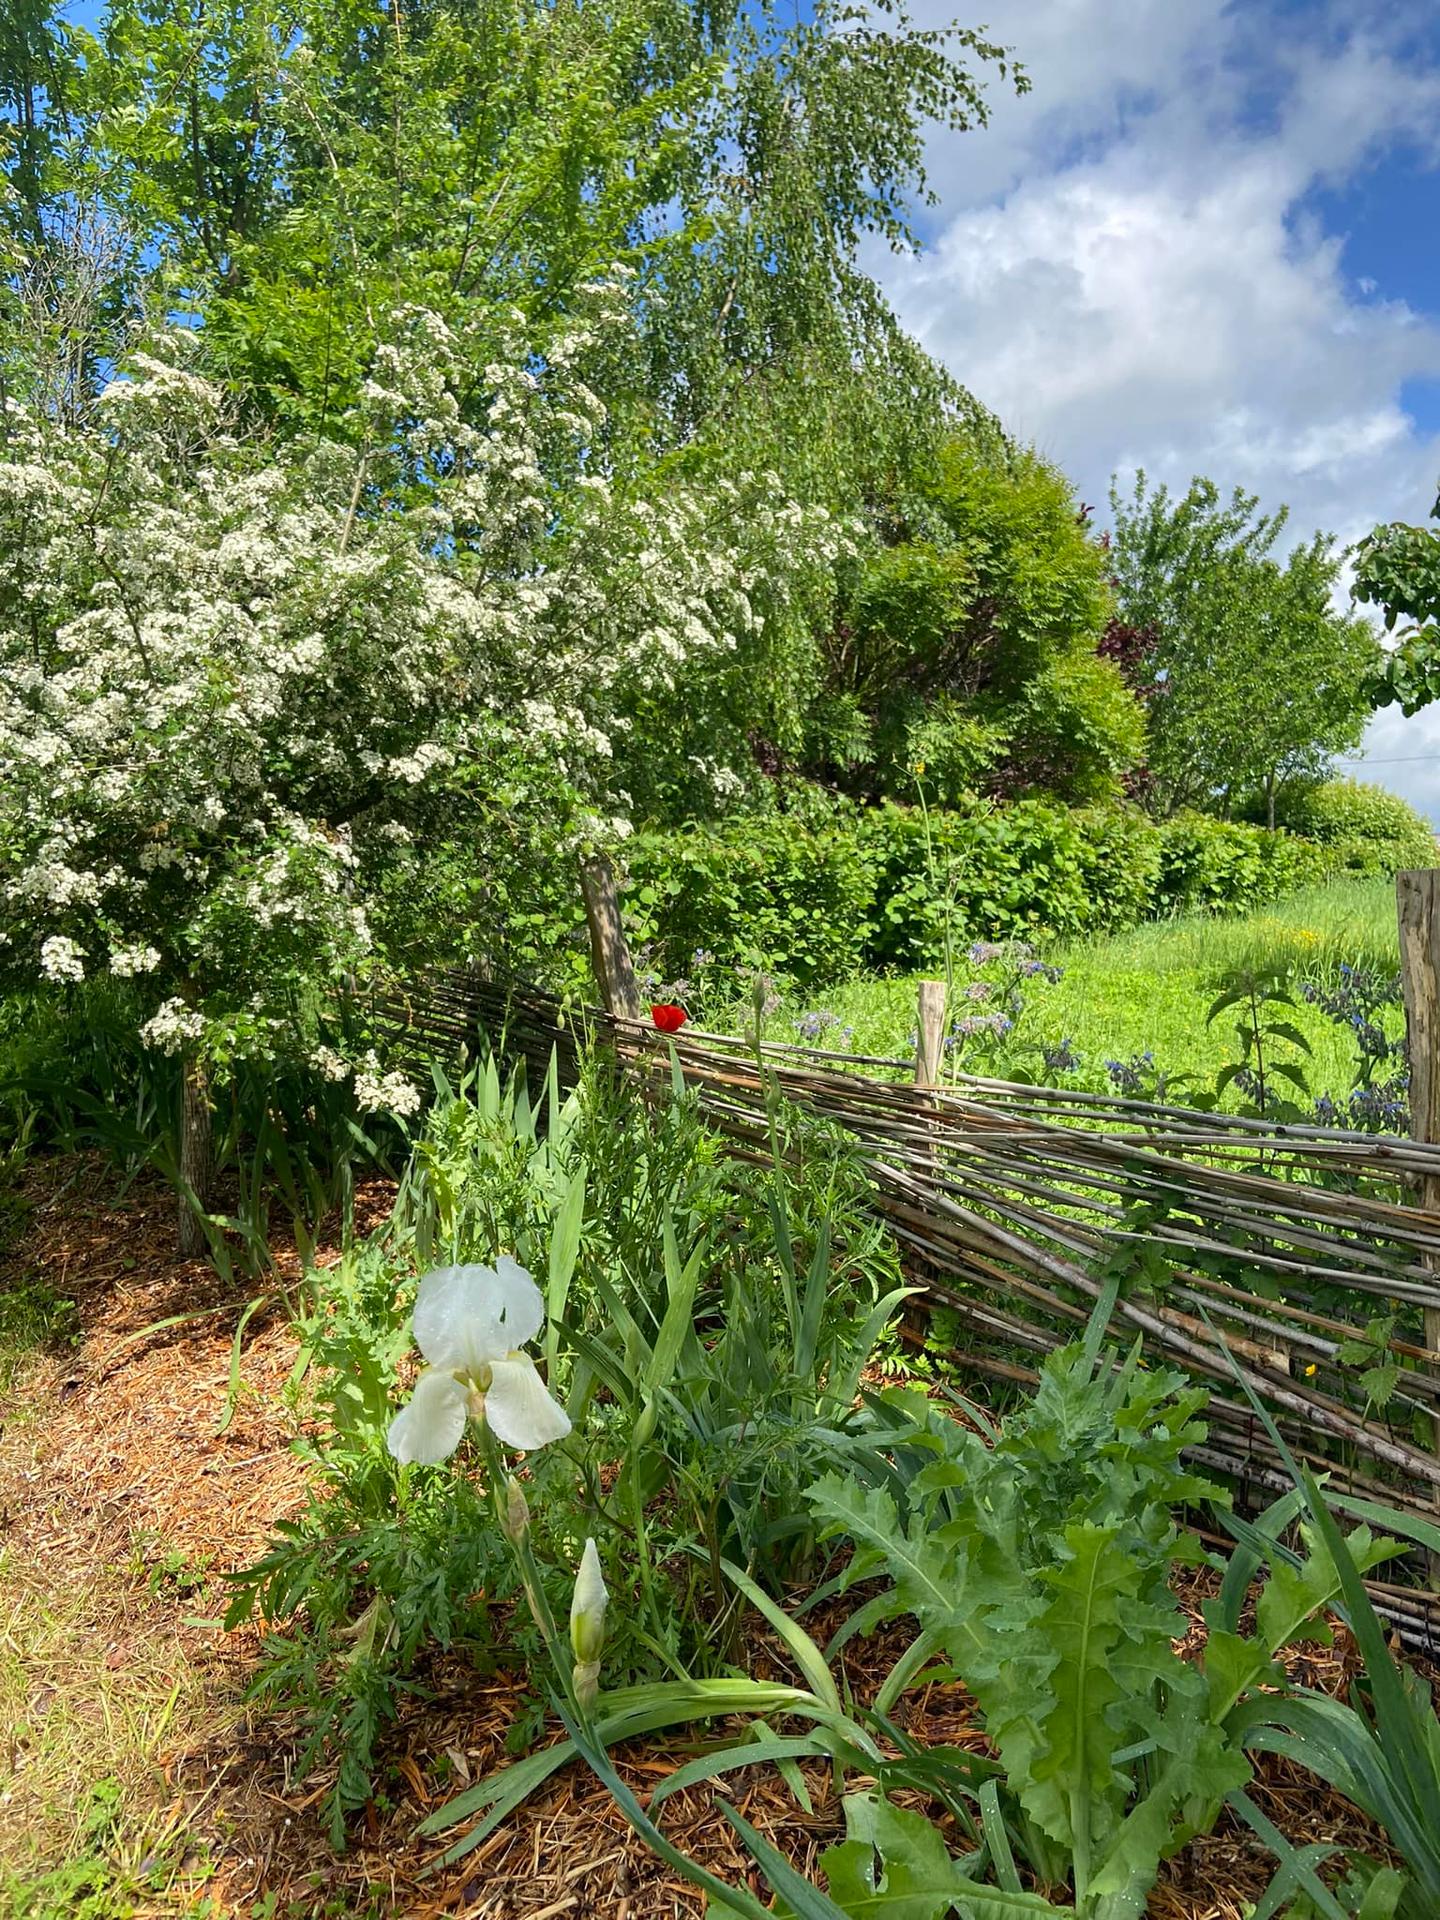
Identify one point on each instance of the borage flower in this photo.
(471, 1324)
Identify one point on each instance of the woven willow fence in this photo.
(1274, 1245)
(1306, 1258)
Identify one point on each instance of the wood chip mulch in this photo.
(120, 1492)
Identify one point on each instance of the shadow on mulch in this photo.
(116, 1470)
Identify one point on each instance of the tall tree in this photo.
(293, 170)
(1254, 678)
(236, 713)
(968, 639)
(1397, 568)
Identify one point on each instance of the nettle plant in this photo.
(233, 673)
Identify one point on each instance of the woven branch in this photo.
(1015, 1201)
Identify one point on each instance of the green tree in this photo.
(294, 170)
(1397, 568)
(288, 174)
(967, 641)
(1254, 679)
(238, 716)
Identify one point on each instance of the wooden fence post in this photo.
(929, 1032)
(1417, 900)
(614, 972)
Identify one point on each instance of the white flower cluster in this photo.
(126, 962)
(173, 1027)
(377, 1092)
(61, 959)
(210, 663)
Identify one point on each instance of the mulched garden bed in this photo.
(118, 1484)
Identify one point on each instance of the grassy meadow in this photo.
(1147, 988)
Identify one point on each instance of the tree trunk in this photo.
(196, 1154)
(1270, 802)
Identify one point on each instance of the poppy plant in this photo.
(668, 1017)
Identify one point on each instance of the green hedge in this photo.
(874, 889)
(1366, 828)
(758, 892)
(1226, 867)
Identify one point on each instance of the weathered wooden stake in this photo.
(929, 1032)
(1417, 899)
(197, 1154)
(614, 971)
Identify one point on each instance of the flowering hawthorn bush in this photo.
(231, 673)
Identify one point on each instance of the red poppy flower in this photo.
(668, 1017)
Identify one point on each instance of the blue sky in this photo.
(1206, 242)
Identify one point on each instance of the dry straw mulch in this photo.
(122, 1505)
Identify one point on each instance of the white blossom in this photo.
(126, 962)
(172, 1027)
(195, 629)
(377, 1092)
(61, 959)
(471, 1323)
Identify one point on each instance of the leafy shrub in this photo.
(939, 742)
(1120, 861)
(1372, 831)
(1005, 872)
(1075, 730)
(1226, 865)
(819, 897)
(753, 892)
(1040, 1564)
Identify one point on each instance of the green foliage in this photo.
(1254, 679)
(294, 173)
(968, 638)
(1075, 730)
(382, 1564)
(753, 893)
(290, 177)
(1267, 1067)
(1382, 1748)
(1041, 1565)
(739, 1384)
(1226, 865)
(1122, 855)
(937, 744)
(1397, 568)
(821, 895)
(1002, 872)
(287, 1139)
(1368, 827)
(895, 1866)
(707, 1329)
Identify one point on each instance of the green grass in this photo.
(1150, 988)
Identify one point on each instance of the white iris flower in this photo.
(471, 1324)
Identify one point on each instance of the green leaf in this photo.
(1282, 1030)
(902, 1871)
(1047, 1709)
(564, 1250)
(768, 1749)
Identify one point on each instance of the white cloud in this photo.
(1124, 268)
